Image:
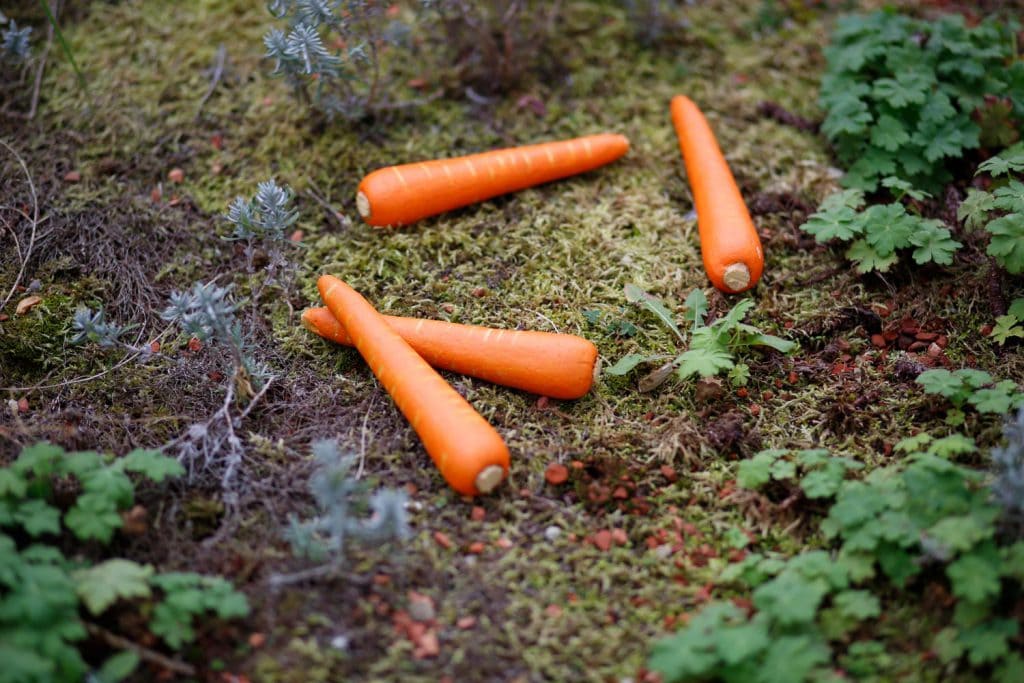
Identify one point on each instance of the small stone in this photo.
(479, 292)
(217, 141)
(552, 533)
(477, 514)
(421, 607)
(602, 539)
(503, 543)
(553, 611)
(257, 640)
(154, 347)
(428, 646)
(448, 308)
(133, 522)
(934, 350)
(4, 317)
(340, 642)
(216, 168)
(669, 473)
(156, 194)
(22, 405)
(663, 551)
(476, 547)
(619, 537)
(442, 539)
(72, 177)
(27, 304)
(296, 236)
(176, 175)
(878, 341)
(466, 623)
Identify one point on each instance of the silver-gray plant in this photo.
(343, 501)
(1008, 463)
(265, 216)
(14, 45)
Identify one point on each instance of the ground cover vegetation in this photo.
(820, 479)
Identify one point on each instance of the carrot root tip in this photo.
(489, 478)
(736, 276)
(363, 205)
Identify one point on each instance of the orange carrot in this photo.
(470, 454)
(399, 195)
(728, 241)
(545, 363)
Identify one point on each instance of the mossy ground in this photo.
(546, 608)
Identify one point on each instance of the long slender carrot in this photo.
(470, 454)
(729, 243)
(399, 195)
(545, 363)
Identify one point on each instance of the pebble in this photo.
(340, 642)
(552, 533)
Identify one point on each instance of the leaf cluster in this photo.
(43, 593)
(877, 233)
(900, 93)
(925, 514)
(975, 388)
(14, 43)
(1000, 210)
(347, 510)
(712, 348)
(818, 474)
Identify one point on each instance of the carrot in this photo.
(555, 365)
(470, 454)
(729, 243)
(399, 195)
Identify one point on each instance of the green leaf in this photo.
(974, 378)
(857, 604)
(1003, 164)
(868, 259)
(1007, 242)
(975, 577)
(636, 295)
(152, 464)
(954, 444)
(37, 518)
(842, 223)
(995, 401)
(118, 667)
(912, 444)
(705, 362)
(12, 483)
(961, 533)
(93, 516)
(934, 243)
(888, 133)
(889, 227)
(756, 471)
(1010, 197)
(696, 307)
(987, 642)
(101, 585)
(793, 658)
(1005, 328)
(627, 363)
(943, 383)
(41, 459)
(1017, 309)
(903, 188)
(974, 210)
(790, 599)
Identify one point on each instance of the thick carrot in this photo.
(729, 243)
(399, 195)
(470, 454)
(545, 363)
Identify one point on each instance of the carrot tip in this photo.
(489, 478)
(736, 276)
(308, 323)
(363, 205)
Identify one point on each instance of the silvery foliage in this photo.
(266, 215)
(207, 313)
(93, 327)
(341, 498)
(1008, 463)
(14, 45)
(341, 81)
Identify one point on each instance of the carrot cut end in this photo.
(736, 276)
(363, 205)
(489, 478)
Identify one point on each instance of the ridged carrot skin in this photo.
(729, 243)
(555, 365)
(400, 195)
(470, 454)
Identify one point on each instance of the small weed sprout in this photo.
(344, 80)
(14, 45)
(340, 498)
(93, 327)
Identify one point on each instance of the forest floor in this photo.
(567, 582)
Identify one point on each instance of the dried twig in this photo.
(218, 73)
(144, 653)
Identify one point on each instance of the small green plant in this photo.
(877, 233)
(14, 43)
(975, 388)
(712, 348)
(923, 516)
(343, 501)
(1001, 210)
(1009, 325)
(900, 94)
(47, 600)
(819, 474)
